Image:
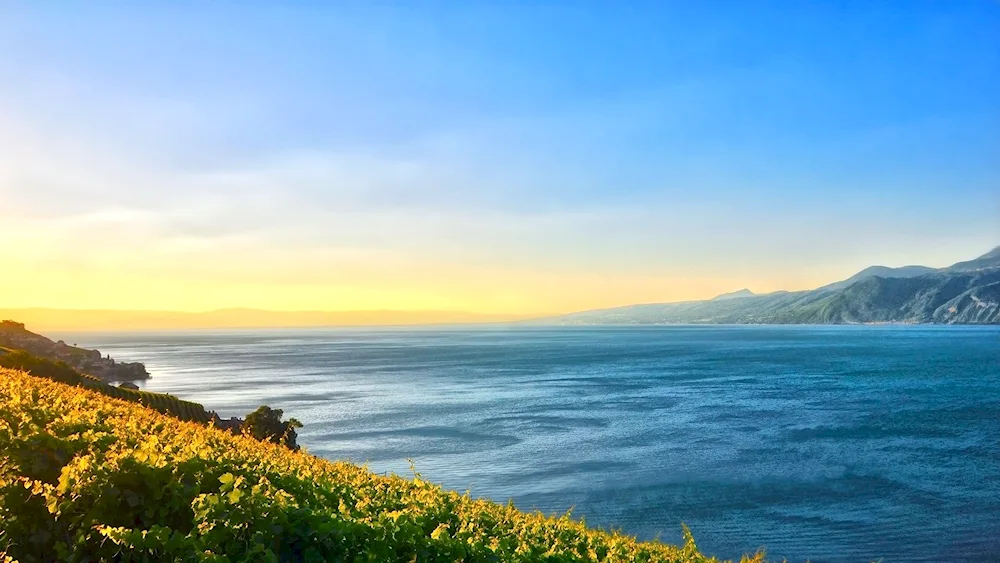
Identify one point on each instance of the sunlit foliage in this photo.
(86, 477)
(64, 373)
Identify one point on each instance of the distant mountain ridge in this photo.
(964, 293)
(989, 260)
(882, 272)
(734, 295)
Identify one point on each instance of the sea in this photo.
(826, 443)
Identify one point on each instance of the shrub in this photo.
(265, 424)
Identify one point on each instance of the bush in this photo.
(265, 424)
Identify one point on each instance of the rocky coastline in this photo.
(91, 362)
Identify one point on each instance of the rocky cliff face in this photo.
(14, 335)
(947, 298)
(979, 305)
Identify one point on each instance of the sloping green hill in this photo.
(86, 477)
(64, 373)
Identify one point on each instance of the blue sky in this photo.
(490, 156)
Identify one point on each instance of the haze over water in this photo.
(829, 443)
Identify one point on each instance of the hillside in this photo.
(64, 373)
(964, 293)
(880, 272)
(263, 424)
(939, 298)
(84, 477)
(989, 260)
(91, 362)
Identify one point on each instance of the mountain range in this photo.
(964, 293)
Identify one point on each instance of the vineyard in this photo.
(86, 477)
(64, 373)
(169, 405)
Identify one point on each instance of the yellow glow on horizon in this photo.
(130, 270)
(449, 288)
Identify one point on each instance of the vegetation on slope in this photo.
(86, 477)
(64, 373)
(264, 423)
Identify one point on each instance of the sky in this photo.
(491, 157)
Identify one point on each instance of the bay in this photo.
(831, 443)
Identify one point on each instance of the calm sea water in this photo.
(828, 443)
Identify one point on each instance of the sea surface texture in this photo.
(828, 443)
